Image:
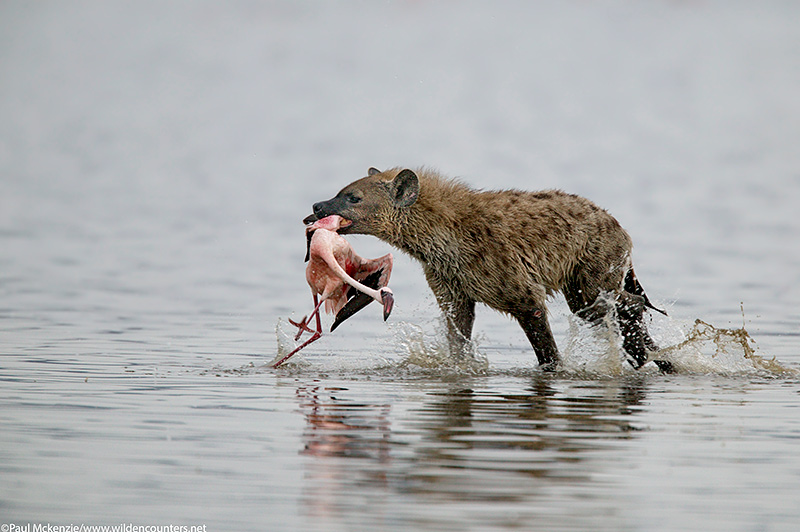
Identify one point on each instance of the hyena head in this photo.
(371, 203)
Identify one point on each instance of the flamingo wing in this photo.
(309, 234)
(357, 300)
(373, 273)
(382, 265)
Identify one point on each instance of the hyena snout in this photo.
(321, 210)
(327, 208)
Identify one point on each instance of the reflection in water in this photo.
(514, 439)
(339, 432)
(465, 447)
(343, 428)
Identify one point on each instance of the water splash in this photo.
(286, 342)
(593, 350)
(431, 351)
(709, 349)
(699, 348)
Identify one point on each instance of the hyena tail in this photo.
(632, 286)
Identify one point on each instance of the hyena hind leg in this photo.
(636, 341)
(537, 329)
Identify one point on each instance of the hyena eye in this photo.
(352, 198)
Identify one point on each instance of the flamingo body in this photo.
(336, 275)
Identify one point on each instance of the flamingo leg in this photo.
(314, 337)
(303, 324)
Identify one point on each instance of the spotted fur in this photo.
(508, 249)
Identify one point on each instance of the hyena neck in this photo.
(424, 238)
(428, 230)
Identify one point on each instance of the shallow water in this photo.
(156, 160)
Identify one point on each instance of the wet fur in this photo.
(508, 249)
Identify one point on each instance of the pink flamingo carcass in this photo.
(339, 278)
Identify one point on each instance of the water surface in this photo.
(156, 160)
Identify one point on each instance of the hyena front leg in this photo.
(458, 310)
(460, 316)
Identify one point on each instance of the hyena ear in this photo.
(405, 188)
(372, 171)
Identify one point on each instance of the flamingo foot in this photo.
(302, 326)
